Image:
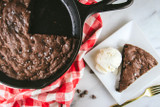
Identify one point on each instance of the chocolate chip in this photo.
(2, 57)
(93, 97)
(81, 95)
(32, 41)
(78, 91)
(91, 72)
(28, 61)
(51, 51)
(43, 42)
(135, 78)
(149, 66)
(20, 50)
(85, 92)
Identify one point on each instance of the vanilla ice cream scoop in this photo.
(108, 60)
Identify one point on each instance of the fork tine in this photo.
(156, 93)
(156, 86)
(155, 89)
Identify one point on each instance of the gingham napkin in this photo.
(60, 93)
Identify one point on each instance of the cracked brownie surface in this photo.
(135, 62)
(25, 56)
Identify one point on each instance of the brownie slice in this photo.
(135, 62)
(24, 56)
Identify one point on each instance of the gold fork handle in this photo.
(127, 102)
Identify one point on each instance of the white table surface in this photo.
(146, 13)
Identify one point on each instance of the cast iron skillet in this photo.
(78, 13)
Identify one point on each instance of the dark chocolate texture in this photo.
(135, 62)
(24, 56)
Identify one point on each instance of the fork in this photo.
(149, 92)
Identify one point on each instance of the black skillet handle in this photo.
(105, 5)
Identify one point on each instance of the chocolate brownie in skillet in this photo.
(24, 56)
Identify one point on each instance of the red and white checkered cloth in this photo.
(60, 93)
